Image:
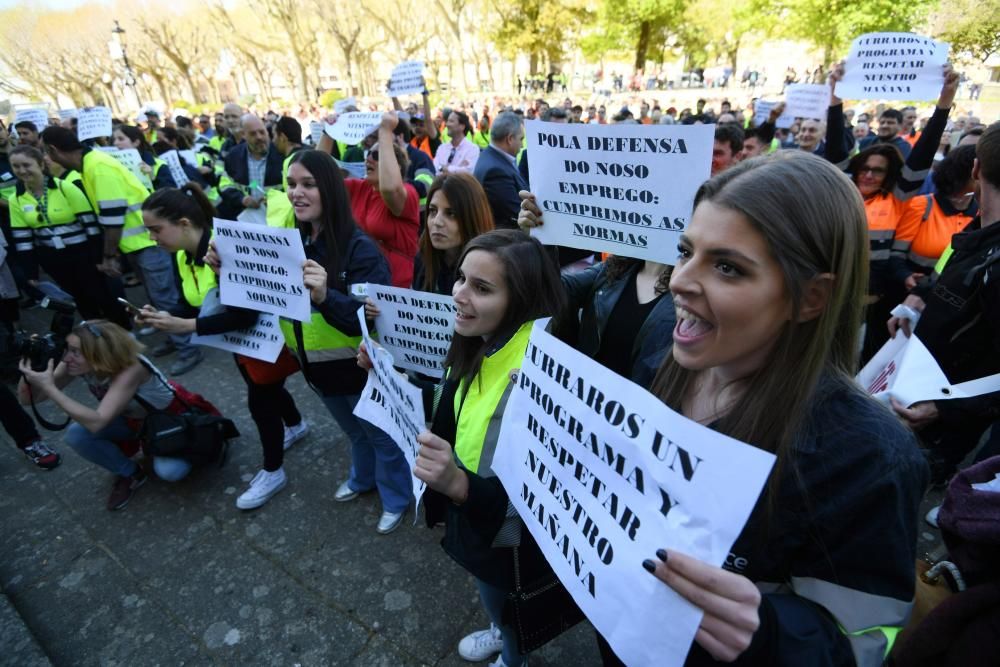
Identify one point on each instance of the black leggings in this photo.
(272, 408)
(15, 420)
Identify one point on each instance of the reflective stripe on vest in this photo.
(322, 341)
(481, 409)
(869, 621)
(196, 281)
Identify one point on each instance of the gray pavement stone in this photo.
(17, 645)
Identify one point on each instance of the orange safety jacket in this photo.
(924, 232)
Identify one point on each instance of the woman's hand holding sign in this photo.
(729, 601)
(436, 467)
(314, 278)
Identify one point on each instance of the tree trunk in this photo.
(533, 64)
(642, 45)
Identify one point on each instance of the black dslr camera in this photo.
(39, 349)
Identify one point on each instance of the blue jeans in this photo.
(157, 269)
(376, 461)
(100, 448)
(493, 599)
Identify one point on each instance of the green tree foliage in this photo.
(538, 28)
(831, 24)
(971, 26)
(636, 26)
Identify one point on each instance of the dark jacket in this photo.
(838, 543)
(501, 181)
(590, 290)
(471, 528)
(960, 324)
(238, 171)
(361, 262)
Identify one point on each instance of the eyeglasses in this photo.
(874, 171)
(92, 328)
(373, 155)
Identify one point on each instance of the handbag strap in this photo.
(159, 376)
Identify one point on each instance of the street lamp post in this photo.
(117, 47)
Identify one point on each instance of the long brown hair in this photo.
(467, 200)
(813, 220)
(534, 291)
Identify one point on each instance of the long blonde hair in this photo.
(107, 348)
(813, 221)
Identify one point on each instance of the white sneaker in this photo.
(500, 663)
(481, 645)
(345, 493)
(264, 485)
(388, 522)
(295, 433)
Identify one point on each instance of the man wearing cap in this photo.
(152, 125)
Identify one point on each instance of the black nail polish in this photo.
(662, 554)
(649, 566)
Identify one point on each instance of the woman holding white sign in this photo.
(179, 220)
(339, 255)
(768, 288)
(886, 183)
(505, 282)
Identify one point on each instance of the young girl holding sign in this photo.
(768, 288)
(339, 255)
(179, 221)
(505, 281)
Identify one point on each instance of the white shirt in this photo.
(456, 158)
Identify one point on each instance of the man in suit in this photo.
(496, 169)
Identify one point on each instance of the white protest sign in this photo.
(762, 111)
(893, 66)
(261, 341)
(340, 106)
(131, 159)
(407, 77)
(177, 172)
(315, 131)
(394, 405)
(355, 169)
(93, 122)
(807, 100)
(66, 114)
(905, 370)
(603, 187)
(253, 216)
(262, 269)
(415, 327)
(189, 156)
(603, 474)
(39, 115)
(352, 127)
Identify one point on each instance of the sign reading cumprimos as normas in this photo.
(624, 189)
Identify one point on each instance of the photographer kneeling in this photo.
(108, 360)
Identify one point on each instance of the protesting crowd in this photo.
(815, 244)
